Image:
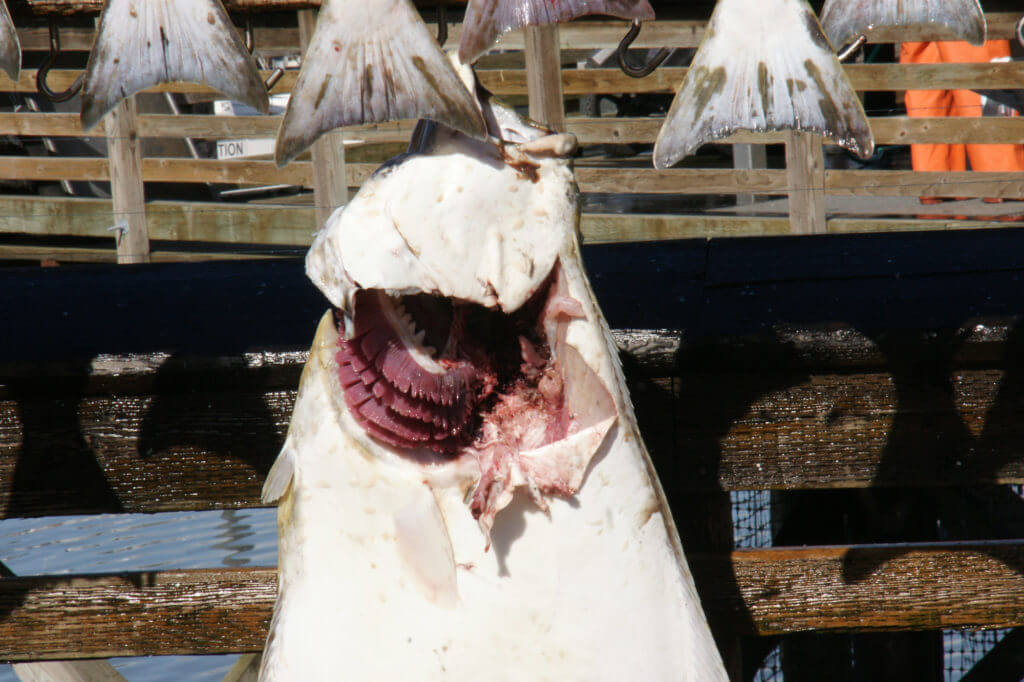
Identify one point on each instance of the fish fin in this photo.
(787, 79)
(280, 476)
(142, 44)
(426, 549)
(488, 20)
(10, 47)
(844, 20)
(370, 62)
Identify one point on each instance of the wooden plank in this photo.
(589, 131)
(821, 431)
(776, 591)
(82, 254)
(543, 71)
(67, 671)
(125, 157)
(805, 178)
(330, 186)
(665, 80)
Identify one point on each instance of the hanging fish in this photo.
(844, 20)
(488, 20)
(142, 44)
(369, 62)
(463, 492)
(10, 47)
(763, 65)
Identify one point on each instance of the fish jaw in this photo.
(370, 62)
(10, 46)
(786, 78)
(844, 20)
(488, 20)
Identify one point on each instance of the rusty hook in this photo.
(638, 71)
(44, 70)
(250, 45)
(442, 23)
(848, 52)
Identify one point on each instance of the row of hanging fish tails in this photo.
(763, 64)
(768, 65)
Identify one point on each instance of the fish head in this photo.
(468, 343)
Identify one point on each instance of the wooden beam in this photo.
(805, 179)
(67, 671)
(126, 189)
(769, 591)
(330, 183)
(544, 76)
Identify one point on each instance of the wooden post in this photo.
(67, 671)
(805, 173)
(544, 76)
(245, 669)
(330, 184)
(748, 157)
(125, 156)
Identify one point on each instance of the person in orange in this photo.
(954, 157)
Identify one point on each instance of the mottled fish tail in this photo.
(488, 20)
(763, 65)
(844, 20)
(142, 44)
(370, 62)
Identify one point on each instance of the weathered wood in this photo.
(124, 154)
(245, 669)
(665, 80)
(543, 76)
(67, 671)
(805, 178)
(887, 130)
(330, 182)
(897, 587)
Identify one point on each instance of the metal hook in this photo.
(44, 70)
(638, 71)
(1020, 32)
(442, 24)
(852, 48)
(250, 45)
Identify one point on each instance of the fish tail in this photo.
(785, 78)
(844, 20)
(10, 47)
(142, 44)
(487, 20)
(370, 62)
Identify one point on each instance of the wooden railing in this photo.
(222, 226)
(851, 376)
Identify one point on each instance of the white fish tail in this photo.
(488, 20)
(844, 20)
(142, 44)
(370, 62)
(763, 65)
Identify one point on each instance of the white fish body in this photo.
(763, 65)
(384, 572)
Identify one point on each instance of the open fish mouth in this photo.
(438, 379)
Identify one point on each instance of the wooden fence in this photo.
(873, 382)
(219, 226)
